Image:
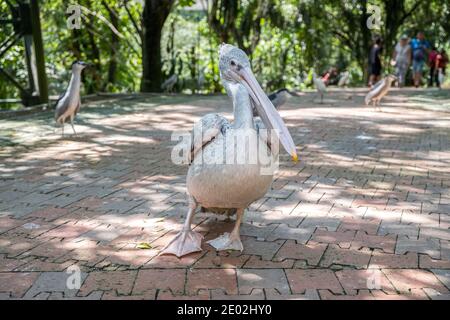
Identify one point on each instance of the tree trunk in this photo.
(153, 18)
(112, 68)
(93, 56)
(366, 38)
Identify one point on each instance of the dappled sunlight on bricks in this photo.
(370, 194)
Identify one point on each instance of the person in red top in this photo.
(440, 66)
(432, 64)
(330, 77)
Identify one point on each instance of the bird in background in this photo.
(320, 86)
(170, 83)
(280, 97)
(441, 77)
(379, 90)
(69, 103)
(344, 79)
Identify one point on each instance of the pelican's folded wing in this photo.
(205, 130)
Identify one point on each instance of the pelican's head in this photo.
(234, 67)
(79, 66)
(231, 60)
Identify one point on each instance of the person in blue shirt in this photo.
(420, 48)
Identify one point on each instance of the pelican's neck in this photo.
(243, 113)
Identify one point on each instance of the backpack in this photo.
(418, 54)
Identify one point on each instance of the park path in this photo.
(363, 215)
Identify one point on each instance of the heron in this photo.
(69, 103)
(320, 86)
(170, 83)
(379, 90)
(344, 79)
(280, 97)
(229, 187)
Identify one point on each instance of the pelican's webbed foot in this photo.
(185, 242)
(227, 241)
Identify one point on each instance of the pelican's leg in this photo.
(230, 241)
(321, 98)
(62, 132)
(71, 123)
(186, 241)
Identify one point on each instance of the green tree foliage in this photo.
(285, 39)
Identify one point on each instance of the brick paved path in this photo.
(364, 215)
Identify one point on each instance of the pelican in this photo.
(320, 86)
(69, 103)
(229, 187)
(344, 79)
(170, 83)
(280, 97)
(379, 90)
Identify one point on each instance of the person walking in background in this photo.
(375, 61)
(420, 47)
(330, 77)
(401, 59)
(432, 55)
(440, 66)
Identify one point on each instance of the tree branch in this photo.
(409, 13)
(133, 21)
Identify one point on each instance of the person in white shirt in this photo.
(401, 58)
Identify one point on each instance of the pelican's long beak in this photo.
(267, 111)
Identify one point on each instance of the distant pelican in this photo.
(320, 86)
(344, 79)
(441, 77)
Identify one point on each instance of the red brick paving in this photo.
(301, 280)
(368, 201)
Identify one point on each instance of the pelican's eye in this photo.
(233, 63)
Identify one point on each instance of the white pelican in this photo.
(230, 187)
(320, 86)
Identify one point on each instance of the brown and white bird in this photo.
(379, 90)
(69, 102)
